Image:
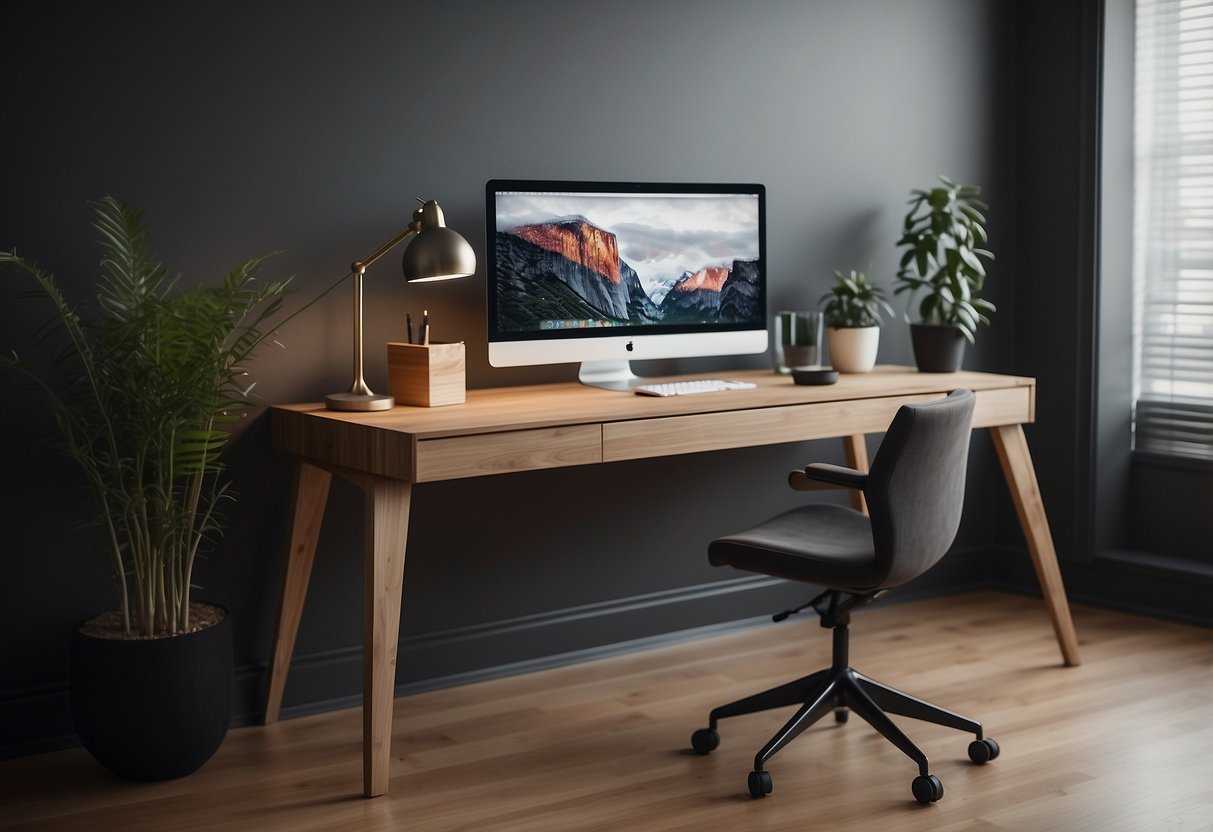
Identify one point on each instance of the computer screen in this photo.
(604, 272)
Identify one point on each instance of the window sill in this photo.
(1153, 459)
(1163, 565)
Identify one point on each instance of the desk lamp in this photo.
(438, 253)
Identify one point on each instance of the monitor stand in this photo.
(609, 375)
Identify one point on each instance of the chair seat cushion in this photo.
(822, 544)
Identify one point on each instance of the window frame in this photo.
(1115, 529)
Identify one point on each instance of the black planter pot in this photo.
(937, 349)
(153, 709)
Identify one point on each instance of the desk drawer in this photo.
(500, 453)
(666, 436)
(746, 428)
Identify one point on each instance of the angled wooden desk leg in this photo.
(387, 525)
(856, 450)
(1016, 460)
(307, 514)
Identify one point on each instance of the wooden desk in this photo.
(502, 430)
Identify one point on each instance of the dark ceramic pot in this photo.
(937, 349)
(153, 709)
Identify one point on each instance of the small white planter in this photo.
(853, 349)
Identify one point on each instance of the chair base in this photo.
(842, 690)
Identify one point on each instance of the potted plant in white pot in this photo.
(943, 234)
(142, 390)
(852, 310)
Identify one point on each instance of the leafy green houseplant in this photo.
(142, 390)
(852, 310)
(944, 234)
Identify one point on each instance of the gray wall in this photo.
(308, 128)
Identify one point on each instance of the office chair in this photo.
(915, 493)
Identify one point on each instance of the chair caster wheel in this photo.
(841, 715)
(927, 788)
(705, 740)
(760, 784)
(982, 751)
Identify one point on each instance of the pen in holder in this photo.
(426, 375)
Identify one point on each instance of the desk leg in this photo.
(1020, 474)
(856, 450)
(311, 494)
(387, 524)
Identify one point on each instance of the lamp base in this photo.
(358, 401)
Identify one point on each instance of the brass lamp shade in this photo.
(437, 252)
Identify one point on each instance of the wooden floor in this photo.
(1124, 742)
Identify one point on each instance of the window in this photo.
(1173, 228)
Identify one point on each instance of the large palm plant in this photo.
(142, 390)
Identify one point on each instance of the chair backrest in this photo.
(915, 488)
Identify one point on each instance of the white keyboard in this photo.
(698, 385)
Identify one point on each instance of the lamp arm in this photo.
(366, 263)
(413, 228)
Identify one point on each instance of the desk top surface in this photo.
(552, 405)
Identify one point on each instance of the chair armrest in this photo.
(819, 475)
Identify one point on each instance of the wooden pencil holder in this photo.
(426, 375)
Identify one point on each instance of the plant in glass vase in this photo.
(944, 234)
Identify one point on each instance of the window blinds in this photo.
(1173, 228)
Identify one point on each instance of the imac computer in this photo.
(604, 272)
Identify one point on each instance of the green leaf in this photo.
(971, 260)
(927, 308)
(972, 213)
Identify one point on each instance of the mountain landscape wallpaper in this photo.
(581, 261)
